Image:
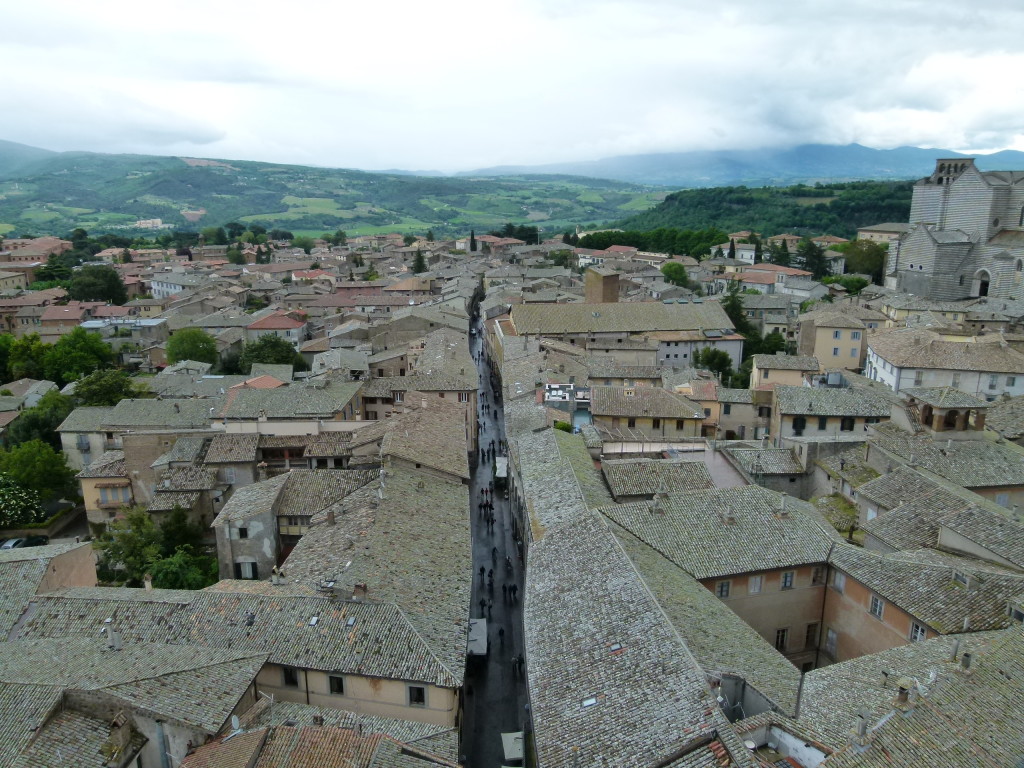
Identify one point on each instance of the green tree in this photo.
(178, 532)
(234, 230)
(430, 235)
(865, 257)
(371, 274)
(214, 235)
(305, 243)
(339, 238)
(18, 505)
(772, 343)
(675, 273)
(472, 241)
(75, 355)
(41, 421)
(6, 344)
(235, 256)
(778, 253)
(37, 466)
(130, 546)
(108, 386)
(732, 303)
(270, 349)
(732, 248)
(126, 256)
(192, 344)
(184, 570)
(716, 360)
(811, 257)
(98, 282)
(420, 264)
(408, 240)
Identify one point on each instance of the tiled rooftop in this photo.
(970, 463)
(611, 682)
(645, 477)
(694, 530)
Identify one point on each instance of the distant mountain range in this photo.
(44, 192)
(808, 163)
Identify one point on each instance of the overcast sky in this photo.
(461, 84)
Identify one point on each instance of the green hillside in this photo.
(102, 193)
(836, 209)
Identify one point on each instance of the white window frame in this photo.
(918, 632)
(755, 584)
(876, 606)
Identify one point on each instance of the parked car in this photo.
(11, 544)
(35, 541)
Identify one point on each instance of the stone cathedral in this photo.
(966, 235)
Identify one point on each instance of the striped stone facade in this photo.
(966, 235)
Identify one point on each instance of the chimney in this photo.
(783, 511)
(860, 739)
(261, 471)
(318, 721)
(965, 663)
(360, 591)
(330, 515)
(147, 581)
(906, 696)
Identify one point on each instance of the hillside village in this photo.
(515, 504)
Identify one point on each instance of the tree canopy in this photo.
(108, 386)
(35, 465)
(678, 242)
(270, 349)
(97, 282)
(18, 505)
(305, 243)
(419, 264)
(75, 355)
(192, 344)
(675, 273)
(41, 421)
(135, 545)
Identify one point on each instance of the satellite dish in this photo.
(235, 724)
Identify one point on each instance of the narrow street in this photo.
(496, 697)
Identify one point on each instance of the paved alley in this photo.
(496, 697)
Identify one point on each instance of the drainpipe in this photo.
(165, 758)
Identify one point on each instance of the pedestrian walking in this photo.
(504, 592)
(501, 635)
(483, 605)
(515, 591)
(489, 604)
(481, 573)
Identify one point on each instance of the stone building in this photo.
(965, 236)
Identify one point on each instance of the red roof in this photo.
(276, 322)
(765, 267)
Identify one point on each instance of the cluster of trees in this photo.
(32, 467)
(524, 232)
(172, 553)
(842, 209)
(196, 344)
(718, 360)
(678, 242)
(75, 355)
